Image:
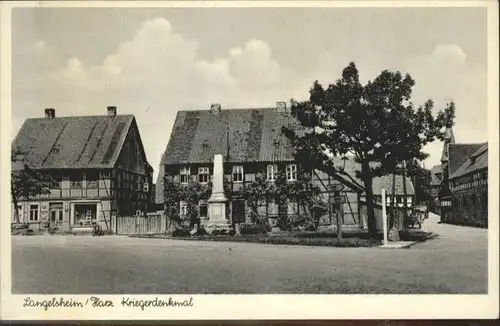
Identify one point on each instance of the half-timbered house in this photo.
(98, 166)
(469, 188)
(435, 187)
(251, 142)
(464, 187)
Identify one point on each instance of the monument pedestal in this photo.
(217, 215)
(217, 203)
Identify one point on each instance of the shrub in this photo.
(222, 232)
(181, 233)
(467, 222)
(253, 229)
(201, 231)
(310, 227)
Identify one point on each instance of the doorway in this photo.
(238, 211)
(55, 216)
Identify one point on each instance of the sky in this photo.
(153, 62)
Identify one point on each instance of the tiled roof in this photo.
(458, 154)
(435, 171)
(476, 161)
(254, 136)
(73, 142)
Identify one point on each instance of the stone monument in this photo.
(217, 202)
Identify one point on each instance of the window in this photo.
(183, 208)
(85, 214)
(92, 179)
(76, 183)
(139, 185)
(292, 208)
(272, 208)
(203, 174)
(272, 171)
(33, 212)
(56, 182)
(185, 175)
(291, 172)
(203, 207)
(238, 173)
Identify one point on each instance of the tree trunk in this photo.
(339, 222)
(405, 201)
(370, 210)
(16, 208)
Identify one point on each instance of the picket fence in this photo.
(152, 224)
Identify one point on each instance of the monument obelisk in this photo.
(217, 202)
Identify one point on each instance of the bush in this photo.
(253, 229)
(223, 232)
(466, 222)
(181, 233)
(201, 231)
(310, 227)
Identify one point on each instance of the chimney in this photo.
(50, 113)
(111, 111)
(215, 108)
(281, 106)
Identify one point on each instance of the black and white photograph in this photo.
(176, 152)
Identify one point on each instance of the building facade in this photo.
(464, 188)
(469, 188)
(98, 168)
(251, 142)
(435, 187)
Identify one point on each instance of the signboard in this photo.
(336, 187)
(336, 200)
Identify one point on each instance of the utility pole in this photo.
(405, 200)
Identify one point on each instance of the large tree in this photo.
(26, 183)
(376, 123)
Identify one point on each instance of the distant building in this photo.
(435, 187)
(98, 165)
(465, 183)
(251, 142)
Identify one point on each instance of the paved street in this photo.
(455, 262)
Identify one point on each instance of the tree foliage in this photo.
(376, 123)
(303, 191)
(26, 183)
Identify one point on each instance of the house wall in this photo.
(349, 208)
(37, 213)
(469, 199)
(115, 192)
(133, 180)
(130, 192)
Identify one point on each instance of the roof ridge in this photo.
(81, 116)
(228, 109)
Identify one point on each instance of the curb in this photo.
(249, 242)
(409, 244)
(429, 237)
